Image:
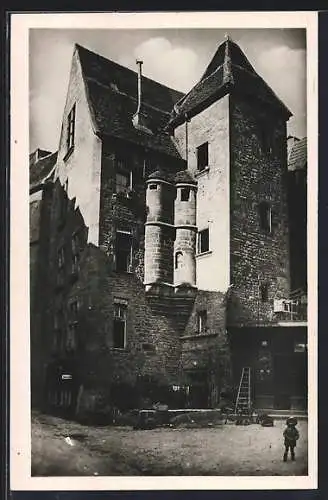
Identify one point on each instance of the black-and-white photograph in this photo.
(168, 235)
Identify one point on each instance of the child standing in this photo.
(291, 435)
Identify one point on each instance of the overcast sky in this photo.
(176, 58)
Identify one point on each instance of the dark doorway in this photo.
(198, 396)
(283, 381)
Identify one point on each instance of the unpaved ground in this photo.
(223, 450)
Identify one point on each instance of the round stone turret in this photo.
(159, 229)
(186, 230)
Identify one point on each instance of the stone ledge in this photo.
(198, 336)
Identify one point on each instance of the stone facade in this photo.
(259, 256)
(157, 262)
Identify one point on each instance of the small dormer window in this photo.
(70, 139)
(202, 156)
(153, 187)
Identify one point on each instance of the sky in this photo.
(174, 57)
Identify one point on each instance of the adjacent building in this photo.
(168, 246)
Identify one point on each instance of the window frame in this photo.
(202, 318)
(202, 156)
(120, 319)
(76, 249)
(185, 194)
(70, 129)
(200, 234)
(177, 256)
(265, 216)
(123, 168)
(129, 235)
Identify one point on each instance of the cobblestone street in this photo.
(62, 448)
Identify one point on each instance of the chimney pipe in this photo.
(138, 120)
(139, 63)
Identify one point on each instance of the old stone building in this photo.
(161, 250)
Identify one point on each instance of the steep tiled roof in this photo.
(160, 174)
(112, 94)
(229, 69)
(40, 170)
(184, 176)
(297, 159)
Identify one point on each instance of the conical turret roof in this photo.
(228, 70)
(184, 176)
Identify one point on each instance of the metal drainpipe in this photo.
(187, 145)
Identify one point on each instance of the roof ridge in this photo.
(200, 82)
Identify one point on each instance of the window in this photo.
(119, 330)
(75, 252)
(203, 244)
(185, 192)
(70, 129)
(123, 178)
(73, 309)
(267, 137)
(122, 182)
(264, 292)
(153, 187)
(61, 258)
(265, 216)
(202, 321)
(123, 251)
(58, 328)
(178, 260)
(202, 156)
(72, 335)
(147, 347)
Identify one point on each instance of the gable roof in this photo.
(229, 69)
(297, 159)
(112, 92)
(42, 169)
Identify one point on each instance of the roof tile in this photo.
(112, 92)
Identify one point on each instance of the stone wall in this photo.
(40, 288)
(258, 257)
(208, 351)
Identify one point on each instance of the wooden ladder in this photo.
(243, 401)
